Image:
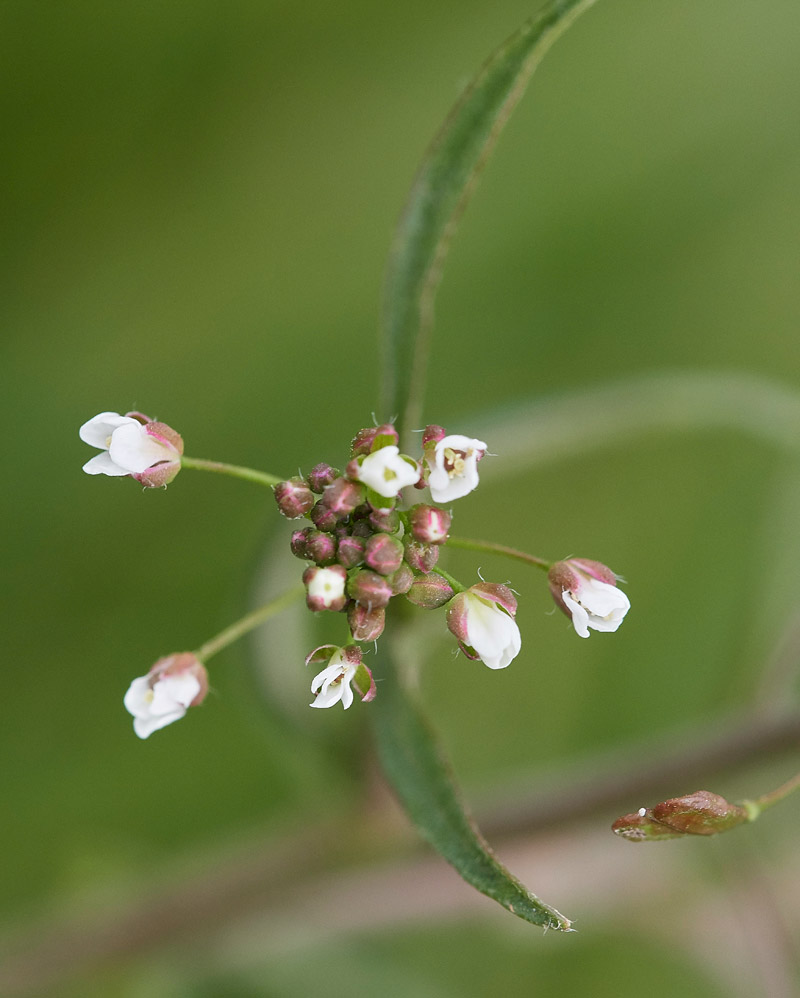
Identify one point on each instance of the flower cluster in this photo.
(363, 546)
(363, 549)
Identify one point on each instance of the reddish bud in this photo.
(350, 551)
(432, 434)
(366, 625)
(320, 476)
(369, 589)
(320, 547)
(386, 521)
(384, 553)
(324, 518)
(294, 498)
(365, 440)
(430, 591)
(429, 523)
(700, 813)
(420, 556)
(342, 496)
(401, 580)
(298, 542)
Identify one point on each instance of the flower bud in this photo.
(320, 476)
(342, 496)
(365, 625)
(482, 618)
(369, 589)
(384, 553)
(700, 813)
(587, 592)
(420, 556)
(294, 498)
(350, 551)
(430, 591)
(324, 518)
(362, 529)
(298, 543)
(401, 580)
(325, 587)
(320, 547)
(172, 685)
(372, 438)
(385, 521)
(432, 434)
(429, 523)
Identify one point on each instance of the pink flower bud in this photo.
(384, 553)
(324, 518)
(325, 587)
(172, 685)
(420, 556)
(385, 521)
(294, 498)
(401, 580)
(320, 476)
(342, 496)
(298, 543)
(369, 589)
(432, 434)
(350, 551)
(429, 523)
(430, 591)
(365, 625)
(587, 592)
(320, 547)
(373, 437)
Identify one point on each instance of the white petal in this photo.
(144, 726)
(445, 486)
(101, 464)
(174, 692)
(386, 472)
(492, 633)
(137, 699)
(134, 449)
(99, 428)
(580, 618)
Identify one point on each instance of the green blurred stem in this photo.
(755, 807)
(234, 470)
(457, 587)
(491, 548)
(248, 623)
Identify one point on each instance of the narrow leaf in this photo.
(415, 764)
(441, 190)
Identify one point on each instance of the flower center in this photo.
(389, 475)
(455, 461)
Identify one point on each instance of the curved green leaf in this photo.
(415, 764)
(441, 190)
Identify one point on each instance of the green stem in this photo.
(755, 807)
(457, 587)
(234, 470)
(491, 548)
(248, 623)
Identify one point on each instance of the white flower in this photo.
(597, 605)
(587, 591)
(386, 471)
(128, 446)
(454, 468)
(333, 683)
(325, 587)
(482, 619)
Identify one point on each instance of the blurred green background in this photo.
(199, 201)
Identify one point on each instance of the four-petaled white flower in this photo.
(333, 684)
(386, 471)
(587, 592)
(174, 684)
(142, 448)
(453, 467)
(482, 618)
(325, 587)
